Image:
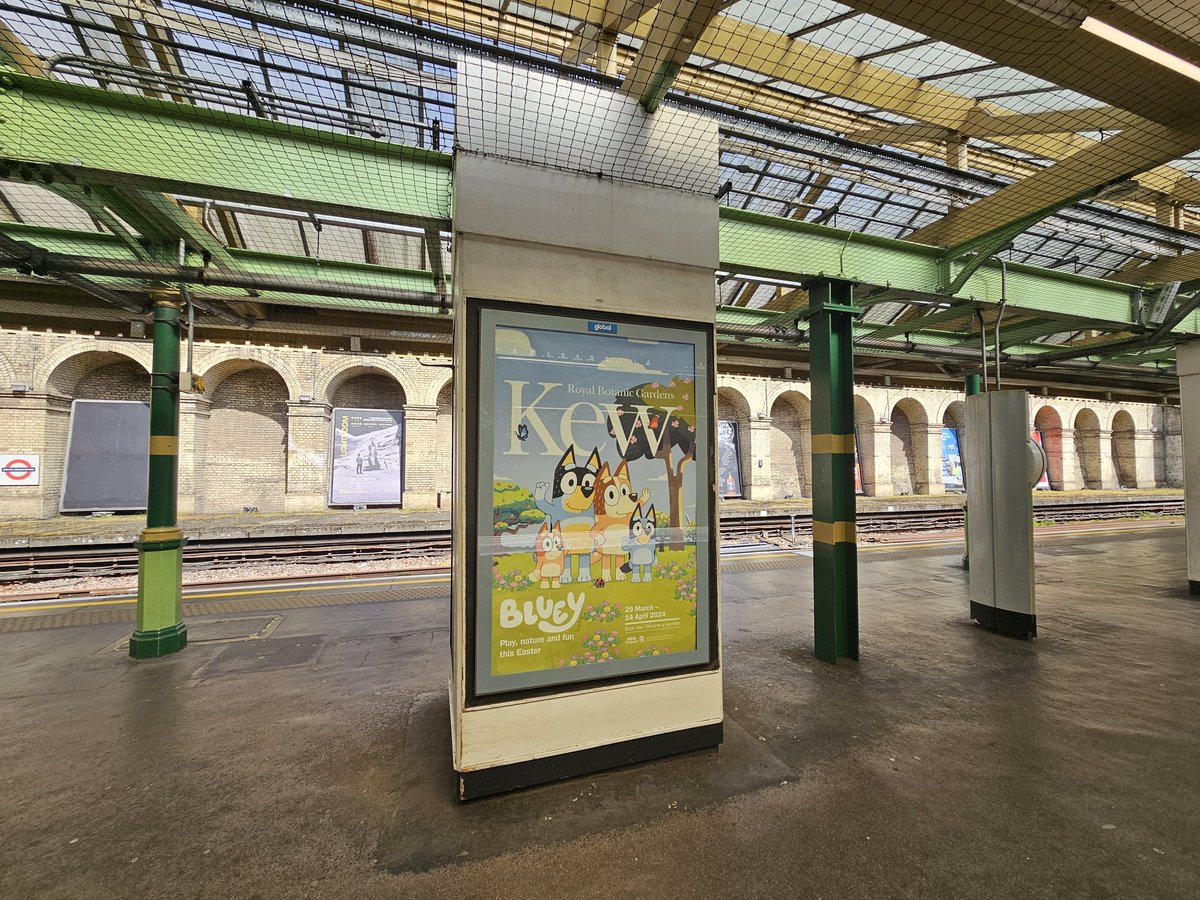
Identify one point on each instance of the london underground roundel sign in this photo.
(20, 469)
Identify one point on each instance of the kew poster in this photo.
(595, 498)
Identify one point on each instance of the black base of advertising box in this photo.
(1005, 621)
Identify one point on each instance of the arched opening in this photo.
(1048, 424)
(733, 408)
(910, 448)
(791, 437)
(245, 460)
(96, 375)
(445, 438)
(100, 375)
(1124, 449)
(864, 444)
(369, 390)
(954, 451)
(1087, 448)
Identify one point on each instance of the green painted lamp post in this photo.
(835, 549)
(160, 628)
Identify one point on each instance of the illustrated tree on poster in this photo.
(670, 415)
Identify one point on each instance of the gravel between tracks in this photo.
(122, 584)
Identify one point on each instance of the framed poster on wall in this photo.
(107, 463)
(593, 522)
(729, 461)
(367, 459)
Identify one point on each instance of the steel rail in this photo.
(40, 563)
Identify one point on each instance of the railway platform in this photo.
(85, 529)
(299, 747)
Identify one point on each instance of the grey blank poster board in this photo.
(107, 456)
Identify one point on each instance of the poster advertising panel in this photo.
(366, 465)
(1043, 482)
(952, 469)
(594, 511)
(107, 466)
(729, 461)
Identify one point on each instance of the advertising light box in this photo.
(593, 522)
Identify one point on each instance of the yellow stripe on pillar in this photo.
(834, 532)
(833, 443)
(164, 445)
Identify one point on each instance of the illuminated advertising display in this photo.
(593, 521)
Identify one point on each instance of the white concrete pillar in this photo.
(882, 484)
(35, 424)
(1108, 465)
(194, 412)
(1145, 447)
(933, 462)
(759, 483)
(307, 456)
(1188, 366)
(421, 456)
(1072, 474)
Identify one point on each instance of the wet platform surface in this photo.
(125, 527)
(312, 760)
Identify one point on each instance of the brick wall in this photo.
(246, 448)
(369, 392)
(117, 381)
(252, 441)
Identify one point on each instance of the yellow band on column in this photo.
(834, 532)
(833, 443)
(164, 445)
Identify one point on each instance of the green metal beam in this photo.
(90, 135)
(770, 246)
(334, 274)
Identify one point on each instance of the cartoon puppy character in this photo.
(614, 502)
(569, 506)
(641, 545)
(548, 556)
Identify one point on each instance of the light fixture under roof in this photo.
(1141, 48)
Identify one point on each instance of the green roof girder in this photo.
(771, 246)
(302, 268)
(101, 136)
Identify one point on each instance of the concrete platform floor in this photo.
(314, 761)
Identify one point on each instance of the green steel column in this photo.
(160, 628)
(835, 552)
(971, 386)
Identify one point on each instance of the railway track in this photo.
(42, 563)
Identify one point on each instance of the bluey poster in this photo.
(367, 455)
(594, 499)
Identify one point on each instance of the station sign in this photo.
(593, 525)
(20, 469)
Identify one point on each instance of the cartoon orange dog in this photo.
(548, 556)
(614, 501)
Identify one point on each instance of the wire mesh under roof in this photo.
(845, 114)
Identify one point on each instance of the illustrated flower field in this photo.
(512, 580)
(603, 612)
(653, 651)
(598, 647)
